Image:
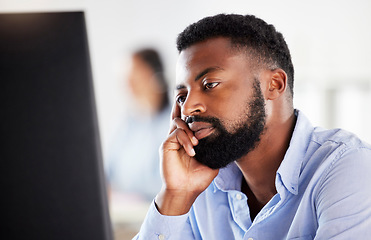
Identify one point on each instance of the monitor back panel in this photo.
(51, 165)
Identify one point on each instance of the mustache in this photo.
(196, 118)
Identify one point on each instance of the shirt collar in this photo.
(229, 178)
(291, 166)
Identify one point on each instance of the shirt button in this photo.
(161, 237)
(239, 197)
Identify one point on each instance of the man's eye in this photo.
(210, 85)
(180, 99)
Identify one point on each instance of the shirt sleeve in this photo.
(344, 200)
(161, 227)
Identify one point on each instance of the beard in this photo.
(223, 147)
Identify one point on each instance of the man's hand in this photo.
(184, 178)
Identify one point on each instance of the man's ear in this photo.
(277, 84)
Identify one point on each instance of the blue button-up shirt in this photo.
(323, 192)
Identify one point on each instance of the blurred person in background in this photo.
(132, 161)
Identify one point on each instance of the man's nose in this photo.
(194, 104)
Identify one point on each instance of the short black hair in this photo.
(245, 32)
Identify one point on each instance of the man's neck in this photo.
(259, 167)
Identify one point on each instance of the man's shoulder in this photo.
(338, 137)
(336, 152)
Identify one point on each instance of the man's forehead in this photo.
(212, 46)
(195, 70)
(181, 68)
(212, 54)
(203, 54)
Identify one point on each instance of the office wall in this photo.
(329, 41)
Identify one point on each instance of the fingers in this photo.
(179, 139)
(180, 132)
(183, 139)
(180, 124)
(177, 122)
(175, 112)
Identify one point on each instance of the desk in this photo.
(127, 213)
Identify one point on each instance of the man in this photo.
(240, 162)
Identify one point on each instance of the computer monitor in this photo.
(52, 174)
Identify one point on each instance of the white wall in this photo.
(329, 41)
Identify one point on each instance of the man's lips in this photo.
(201, 129)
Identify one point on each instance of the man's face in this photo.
(221, 101)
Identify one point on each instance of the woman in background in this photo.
(132, 162)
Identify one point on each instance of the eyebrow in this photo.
(200, 75)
